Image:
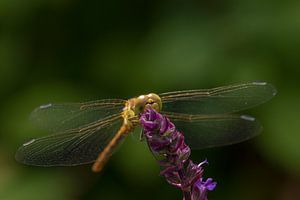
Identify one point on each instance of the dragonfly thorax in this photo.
(135, 106)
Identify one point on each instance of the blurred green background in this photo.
(69, 51)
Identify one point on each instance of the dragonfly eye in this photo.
(149, 104)
(154, 101)
(153, 104)
(150, 101)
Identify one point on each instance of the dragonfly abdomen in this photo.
(110, 147)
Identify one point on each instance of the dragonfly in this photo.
(89, 132)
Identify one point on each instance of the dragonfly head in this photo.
(142, 102)
(153, 101)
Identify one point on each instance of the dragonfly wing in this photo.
(65, 116)
(72, 147)
(205, 131)
(221, 100)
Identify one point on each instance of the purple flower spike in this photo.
(168, 143)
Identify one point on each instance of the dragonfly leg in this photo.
(135, 121)
(142, 136)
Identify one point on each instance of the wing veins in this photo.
(199, 93)
(191, 118)
(77, 133)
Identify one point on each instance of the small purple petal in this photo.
(149, 125)
(164, 125)
(151, 114)
(201, 187)
(209, 184)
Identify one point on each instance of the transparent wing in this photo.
(72, 147)
(221, 100)
(204, 131)
(65, 116)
